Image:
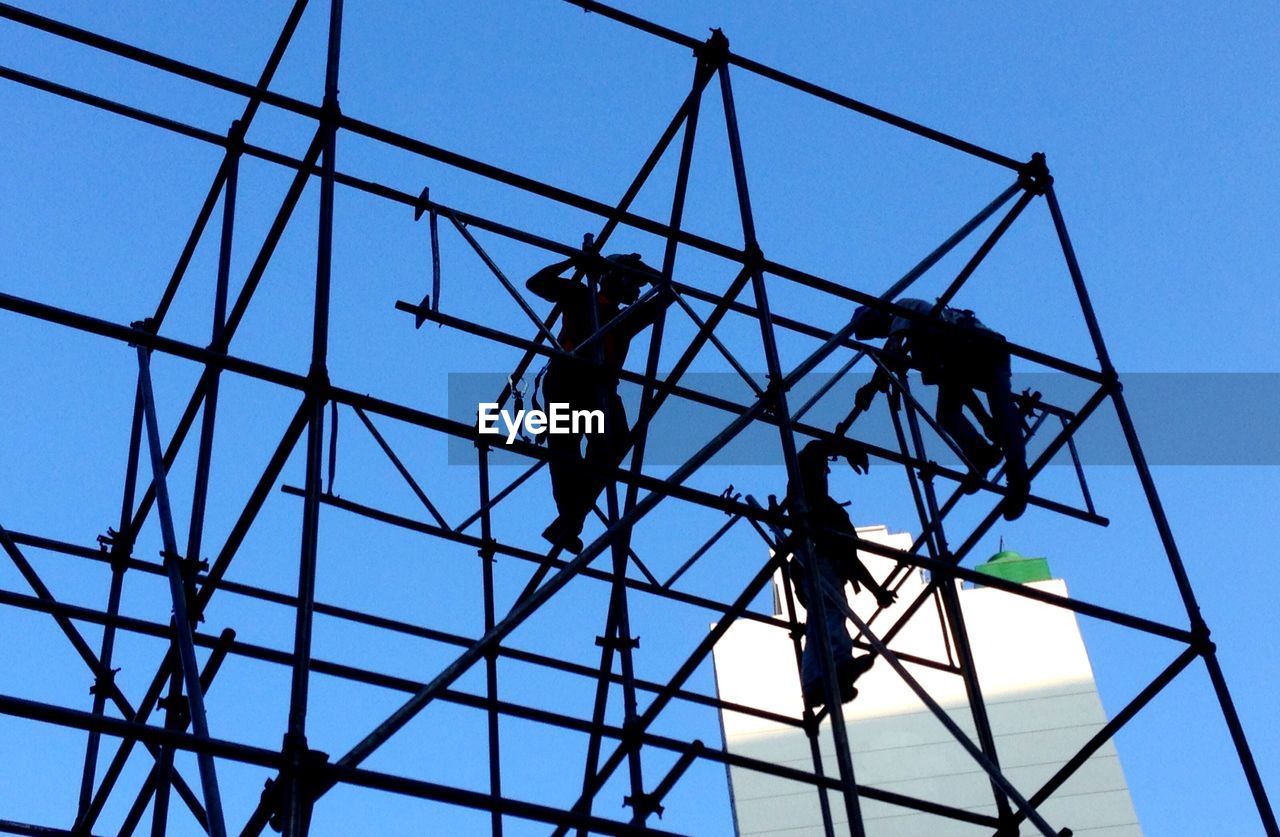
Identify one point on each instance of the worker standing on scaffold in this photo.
(954, 350)
(836, 560)
(576, 480)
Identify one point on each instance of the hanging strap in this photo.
(433, 223)
(536, 402)
(431, 301)
(517, 394)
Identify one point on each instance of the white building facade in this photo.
(1039, 690)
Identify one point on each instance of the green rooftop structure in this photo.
(1013, 566)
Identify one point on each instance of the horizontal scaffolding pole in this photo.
(239, 648)
(14, 827)
(663, 488)
(219, 360)
(737, 409)
(801, 85)
(553, 193)
(433, 422)
(419, 631)
(375, 780)
(713, 55)
(498, 547)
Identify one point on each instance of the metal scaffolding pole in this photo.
(491, 660)
(777, 392)
(303, 775)
(954, 619)
(181, 624)
(121, 548)
(1206, 647)
(296, 806)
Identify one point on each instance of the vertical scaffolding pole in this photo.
(617, 632)
(812, 726)
(777, 392)
(121, 550)
(179, 664)
(208, 419)
(297, 803)
(174, 715)
(597, 713)
(491, 659)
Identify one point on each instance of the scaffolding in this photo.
(301, 775)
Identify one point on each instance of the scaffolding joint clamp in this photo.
(330, 109)
(753, 256)
(1033, 175)
(118, 547)
(423, 203)
(774, 389)
(104, 683)
(1111, 380)
(147, 325)
(1201, 640)
(303, 762)
(614, 643)
(714, 50)
(318, 381)
(644, 804)
(235, 137)
(179, 710)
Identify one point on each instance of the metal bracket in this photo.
(616, 643)
(104, 683)
(1034, 175)
(643, 804)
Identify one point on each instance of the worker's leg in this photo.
(605, 450)
(811, 667)
(1008, 424)
(952, 395)
(568, 477)
(566, 470)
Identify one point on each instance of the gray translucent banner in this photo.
(1182, 418)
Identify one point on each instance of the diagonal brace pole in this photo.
(177, 591)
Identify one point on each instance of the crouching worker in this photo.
(598, 329)
(836, 562)
(955, 351)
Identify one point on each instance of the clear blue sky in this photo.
(1159, 124)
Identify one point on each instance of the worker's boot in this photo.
(556, 535)
(1015, 502)
(849, 671)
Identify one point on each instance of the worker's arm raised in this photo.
(547, 283)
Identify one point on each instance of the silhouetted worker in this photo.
(955, 351)
(836, 560)
(577, 481)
